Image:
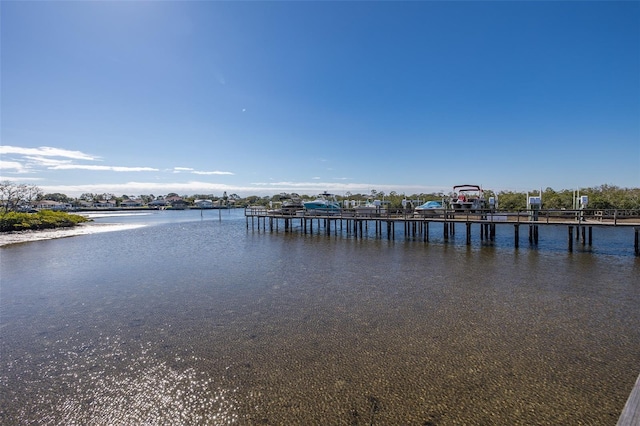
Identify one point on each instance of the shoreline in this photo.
(18, 237)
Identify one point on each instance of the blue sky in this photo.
(267, 97)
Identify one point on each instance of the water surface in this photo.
(196, 320)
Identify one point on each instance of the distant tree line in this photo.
(13, 196)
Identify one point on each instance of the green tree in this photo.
(512, 201)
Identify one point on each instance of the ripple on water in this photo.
(107, 382)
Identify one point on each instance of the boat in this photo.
(292, 205)
(430, 208)
(371, 208)
(289, 205)
(325, 203)
(468, 198)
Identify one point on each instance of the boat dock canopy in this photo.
(467, 188)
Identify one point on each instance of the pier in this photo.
(579, 223)
(631, 412)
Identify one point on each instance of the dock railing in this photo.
(609, 216)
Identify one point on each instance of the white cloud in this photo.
(13, 165)
(183, 188)
(211, 173)
(46, 151)
(199, 172)
(102, 168)
(44, 161)
(20, 179)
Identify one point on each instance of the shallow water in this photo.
(202, 321)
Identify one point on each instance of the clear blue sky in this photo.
(265, 97)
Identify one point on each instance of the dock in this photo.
(579, 223)
(631, 412)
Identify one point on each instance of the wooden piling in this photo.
(420, 228)
(570, 238)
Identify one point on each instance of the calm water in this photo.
(194, 320)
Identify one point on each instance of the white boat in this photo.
(430, 208)
(469, 198)
(371, 208)
(325, 203)
(289, 206)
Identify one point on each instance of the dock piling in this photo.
(570, 238)
(419, 228)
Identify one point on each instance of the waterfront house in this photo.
(51, 205)
(130, 203)
(105, 204)
(158, 204)
(203, 204)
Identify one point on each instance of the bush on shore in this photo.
(44, 219)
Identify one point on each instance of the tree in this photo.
(512, 201)
(61, 198)
(89, 197)
(12, 195)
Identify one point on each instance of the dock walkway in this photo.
(579, 223)
(631, 413)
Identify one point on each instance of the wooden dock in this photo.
(631, 413)
(579, 223)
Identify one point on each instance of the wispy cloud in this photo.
(102, 168)
(157, 188)
(45, 161)
(32, 160)
(20, 179)
(46, 151)
(15, 166)
(215, 172)
(199, 172)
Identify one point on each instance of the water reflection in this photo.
(110, 381)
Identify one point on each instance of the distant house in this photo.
(51, 205)
(158, 204)
(105, 203)
(179, 204)
(85, 204)
(203, 204)
(131, 203)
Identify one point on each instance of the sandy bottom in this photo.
(7, 238)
